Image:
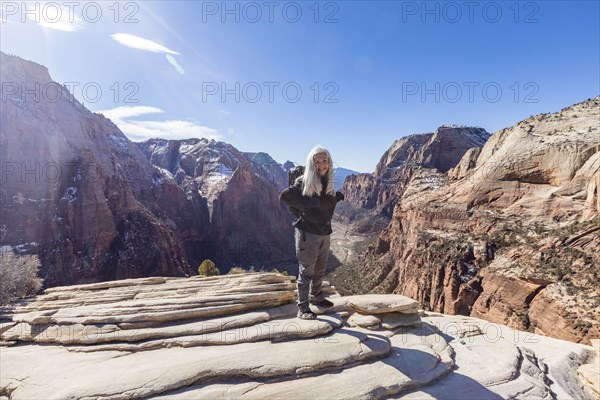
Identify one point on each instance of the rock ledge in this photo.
(237, 336)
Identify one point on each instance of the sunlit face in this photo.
(321, 163)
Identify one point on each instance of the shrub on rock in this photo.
(208, 268)
(18, 276)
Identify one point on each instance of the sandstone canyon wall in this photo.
(510, 234)
(67, 195)
(438, 151)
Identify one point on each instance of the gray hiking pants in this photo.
(312, 252)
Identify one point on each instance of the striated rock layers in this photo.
(510, 234)
(236, 336)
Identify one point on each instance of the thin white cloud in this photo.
(136, 42)
(174, 63)
(140, 130)
(129, 112)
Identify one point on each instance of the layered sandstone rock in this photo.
(466, 164)
(417, 161)
(513, 237)
(589, 372)
(439, 151)
(237, 336)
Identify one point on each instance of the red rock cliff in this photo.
(68, 195)
(511, 234)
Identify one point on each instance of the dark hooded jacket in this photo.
(315, 212)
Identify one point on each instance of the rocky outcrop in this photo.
(74, 189)
(248, 226)
(196, 337)
(552, 317)
(466, 164)
(439, 151)
(416, 161)
(363, 190)
(509, 236)
(506, 298)
(589, 372)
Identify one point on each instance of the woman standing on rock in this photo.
(314, 201)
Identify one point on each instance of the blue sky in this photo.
(281, 77)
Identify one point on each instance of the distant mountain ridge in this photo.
(339, 176)
(248, 224)
(97, 206)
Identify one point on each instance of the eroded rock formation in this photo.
(439, 151)
(75, 190)
(237, 336)
(510, 234)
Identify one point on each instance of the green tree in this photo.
(208, 268)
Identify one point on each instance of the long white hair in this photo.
(311, 179)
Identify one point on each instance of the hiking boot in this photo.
(323, 303)
(306, 314)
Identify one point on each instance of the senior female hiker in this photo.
(312, 199)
